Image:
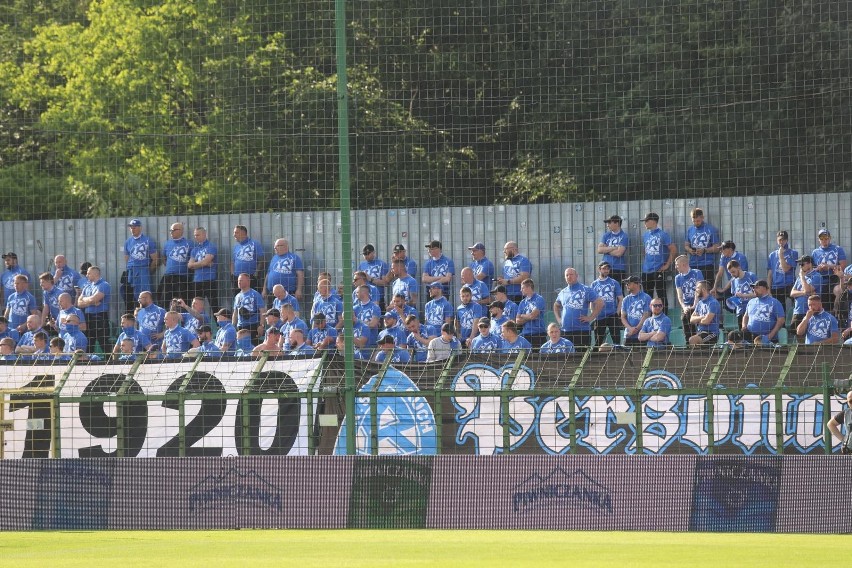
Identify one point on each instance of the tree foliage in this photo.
(120, 107)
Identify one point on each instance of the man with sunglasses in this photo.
(828, 256)
(656, 329)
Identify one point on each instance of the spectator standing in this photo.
(376, 271)
(202, 263)
(828, 256)
(140, 254)
(516, 269)
(247, 257)
(610, 317)
(285, 268)
(781, 268)
(613, 247)
(8, 277)
(483, 269)
(531, 313)
(66, 278)
(176, 281)
(94, 301)
(438, 268)
(576, 307)
(808, 282)
(702, 243)
(660, 252)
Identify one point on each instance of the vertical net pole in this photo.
(345, 216)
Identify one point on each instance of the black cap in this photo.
(784, 235)
(497, 304)
(224, 312)
(499, 288)
(604, 263)
(651, 217)
(632, 280)
(386, 339)
(368, 249)
(206, 328)
(807, 258)
(434, 244)
(398, 248)
(10, 255)
(318, 316)
(273, 312)
(735, 336)
(762, 284)
(614, 219)
(484, 321)
(274, 329)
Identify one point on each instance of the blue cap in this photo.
(391, 315)
(435, 284)
(134, 223)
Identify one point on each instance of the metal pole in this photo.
(345, 217)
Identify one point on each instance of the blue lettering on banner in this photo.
(232, 486)
(742, 421)
(559, 489)
(406, 424)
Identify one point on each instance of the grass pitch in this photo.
(433, 548)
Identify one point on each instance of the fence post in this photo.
(504, 400)
(56, 439)
(374, 404)
(439, 405)
(245, 418)
(779, 398)
(572, 404)
(318, 372)
(711, 403)
(826, 404)
(640, 388)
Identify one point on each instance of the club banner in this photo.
(105, 412)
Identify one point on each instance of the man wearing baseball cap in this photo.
(377, 272)
(483, 269)
(613, 246)
(140, 254)
(781, 268)
(660, 252)
(438, 268)
(827, 257)
(808, 282)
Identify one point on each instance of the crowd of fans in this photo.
(497, 308)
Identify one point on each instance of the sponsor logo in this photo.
(561, 490)
(233, 486)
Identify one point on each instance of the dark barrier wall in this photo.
(659, 493)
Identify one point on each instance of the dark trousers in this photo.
(536, 340)
(611, 323)
(175, 286)
(688, 328)
(209, 289)
(654, 283)
(794, 323)
(97, 330)
(827, 294)
(782, 294)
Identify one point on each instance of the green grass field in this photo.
(333, 548)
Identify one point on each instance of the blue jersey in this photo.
(702, 237)
(74, 340)
(375, 269)
(247, 306)
(140, 340)
(440, 267)
(467, 314)
(176, 341)
(831, 254)
(655, 324)
(742, 285)
(289, 299)
(575, 302)
(318, 335)
(92, 288)
(821, 327)
(634, 307)
(295, 323)
(527, 306)
(478, 291)
(139, 251)
(407, 286)
(514, 347)
(177, 252)
(781, 279)
(67, 280)
(800, 304)
(50, 298)
(8, 280)
(246, 256)
(488, 344)
(397, 356)
(20, 305)
(331, 307)
(63, 314)
(709, 305)
(420, 351)
(687, 283)
(510, 309)
(496, 328)
(284, 269)
(483, 266)
(561, 346)
(192, 323)
(437, 311)
(207, 273)
(609, 290)
(399, 335)
(619, 239)
(763, 313)
(151, 320)
(738, 256)
(656, 244)
(226, 337)
(514, 267)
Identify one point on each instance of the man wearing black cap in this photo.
(438, 309)
(510, 308)
(808, 282)
(226, 335)
(8, 276)
(828, 257)
(376, 271)
(206, 343)
(399, 253)
(635, 309)
(321, 335)
(483, 269)
(781, 268)
(140, 254)
(729, 252)
(660, 252)
(438, 268)
(613, 247)
(702, 242)
(612, 295)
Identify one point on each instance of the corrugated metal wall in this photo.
(552, 236)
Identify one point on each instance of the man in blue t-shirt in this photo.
(483, 269)
(613, 246)
(702, 243)
(808, 282)
(660, 253)
(438, 268)
(176, 281)
(576, 307)
(764, 316)
(706, 317)
(781, 268)
(635, 309)
(516, 269)
(247, 257)
(140, 254)
(818, 326)
(285, 268)
(377, 273)
(531, 313)
(686, 281)
(202, 263)
(612, 295)
(828, 257)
